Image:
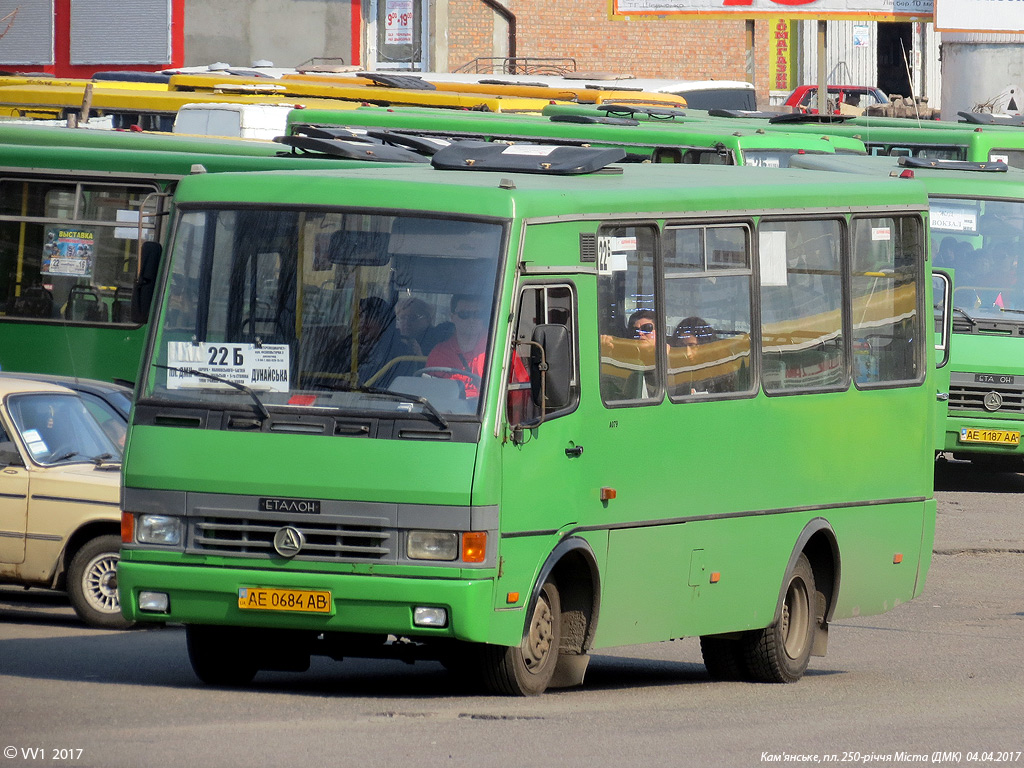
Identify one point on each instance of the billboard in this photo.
(811, 10)
(979, 15)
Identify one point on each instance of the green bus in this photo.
(699, 120)
(73, 205)
(426, 413)
(977, 235)
(907, 138)
(664, 141)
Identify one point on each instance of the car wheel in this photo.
(92, 583)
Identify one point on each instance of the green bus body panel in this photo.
(93, 352)
(724, 486)
(357, 469)
(376, 605)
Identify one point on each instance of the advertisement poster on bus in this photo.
(813, 10)
(68, 252)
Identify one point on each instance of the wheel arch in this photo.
(75, 542)
(574, 567)
(818, 542)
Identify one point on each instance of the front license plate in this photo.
(995, 436)
(301, 600)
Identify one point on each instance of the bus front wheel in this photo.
(220, 655)
(526, 669)
(779, 653)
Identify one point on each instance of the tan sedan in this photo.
(59, 499)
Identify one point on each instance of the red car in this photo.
(805, 97)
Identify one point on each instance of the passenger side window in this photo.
(630, 326)
(802, 345)
(886, 319)
(707, 306)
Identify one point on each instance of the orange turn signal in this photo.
(474, 546)
(127, 528)
(716, 577)
(607, 494)
(897, 558)
(512, 598)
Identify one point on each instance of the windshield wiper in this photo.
(428, 406)
(64, 457)
(260, 407)
(971, 320)
(102, 458)
(1014, 311)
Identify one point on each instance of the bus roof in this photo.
(938, 176)
(700, 94)
(626, 190)
(560, 128)
(352, 91)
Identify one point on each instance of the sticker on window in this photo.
(772, 247)
(613, 254)
(881, 233)
(68, 252)
(34, 442)
(951, 219)
(264, 367)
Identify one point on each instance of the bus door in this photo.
(544, 450)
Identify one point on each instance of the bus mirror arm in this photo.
(149, 267)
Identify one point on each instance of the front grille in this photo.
(323, 540)
(971, 397)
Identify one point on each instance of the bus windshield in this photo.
(349, 311)
(979, 240)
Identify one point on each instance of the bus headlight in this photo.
(158, 529)
(432, 545)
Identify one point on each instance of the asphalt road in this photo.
(942, 674)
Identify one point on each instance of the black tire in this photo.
(220, 656)
(780, 653)
(723, 658)
(526, 669)
(92, 583)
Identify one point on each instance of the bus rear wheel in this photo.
(723, 658)
(526, 669)
(220, 656)
(780, 653)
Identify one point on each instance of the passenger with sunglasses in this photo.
(637, 352)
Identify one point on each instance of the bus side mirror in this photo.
(550, 368)
(942, 298)
(149, 267)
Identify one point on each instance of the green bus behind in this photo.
(977, 234)
(523, 405)
(70, 204)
